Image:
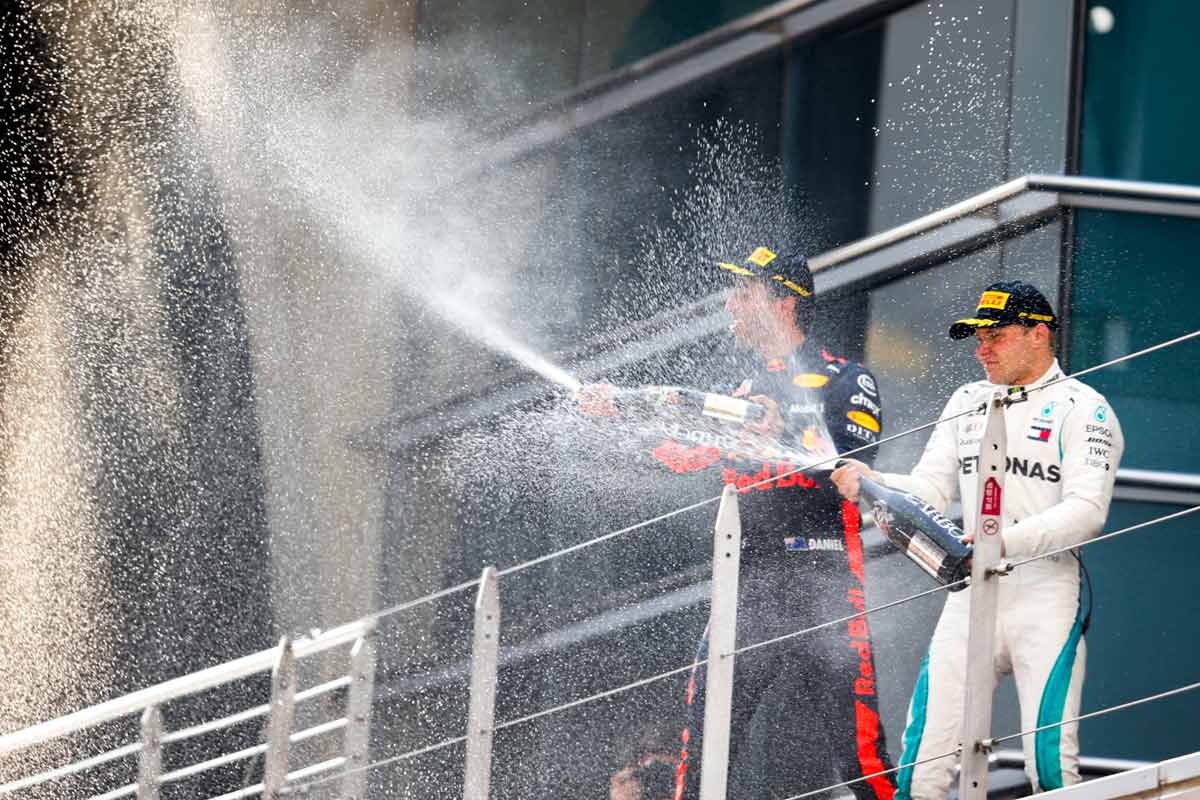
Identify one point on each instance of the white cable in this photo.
(376, 616)
(645, 523)
(390, 610)
(875, 775)
(1191, 686)
(573, 548)
(304, 787)
(71, 769)
(420, 601)
(599, 695)
(513, 722)
(1006, 567)
(250, 713)
(643, 682)
(1118, 360)
(386, 612)
(941, 588)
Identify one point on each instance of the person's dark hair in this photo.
(805, 310)
(657, 781)
(658, 741)
(648, 740)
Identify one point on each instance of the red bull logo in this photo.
(860, 641)
(776, 475)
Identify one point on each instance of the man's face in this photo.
(1008, 354)
(758, 315)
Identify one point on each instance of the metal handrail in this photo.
(200, 768)
(971, 205)
(180, 735)
(1148, 190)
(1158, 479)
(597, 355)
(177, 687)
(252, 713)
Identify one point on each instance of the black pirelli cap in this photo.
(789, 272)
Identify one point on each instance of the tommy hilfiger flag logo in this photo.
(1039, 433)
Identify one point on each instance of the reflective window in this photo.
(1139, 114)
(545, 48)
(1134, 275)
(1134, 646)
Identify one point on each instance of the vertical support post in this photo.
(980, 674)
(279, 725)
(484, 651)
(358, 716)
(722, 640)
(150, 760)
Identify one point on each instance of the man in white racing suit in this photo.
(1063, 447)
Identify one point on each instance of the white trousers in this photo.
(1039, 640)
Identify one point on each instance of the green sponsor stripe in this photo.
(914, 731)
(1047, 744)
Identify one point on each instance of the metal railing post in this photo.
(150, 759)
(980, 674)
(279, 725)
(722, 640)
(481, 717)
(358, 716)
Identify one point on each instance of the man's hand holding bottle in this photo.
(597, 399)
(847, 477)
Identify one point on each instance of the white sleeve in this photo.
(935, 478)
(1092, 448)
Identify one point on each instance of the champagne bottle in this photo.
(676, 401)
(920, 532)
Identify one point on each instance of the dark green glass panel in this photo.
(1134, 286)
(1142, 637)
(1141, 103)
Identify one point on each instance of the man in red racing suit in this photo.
(805, 711)
(808, 702)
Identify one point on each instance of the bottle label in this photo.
(724, 407)
(937, 518)
(927, 554)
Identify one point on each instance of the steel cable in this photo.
(1131, 704)
(1005, 567)
(747, 648)
(390, 610)
(304, 787)
(1001, 569)
(988, 744)
(874, 775)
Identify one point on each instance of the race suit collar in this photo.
(808, 352)
(1050, 374)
